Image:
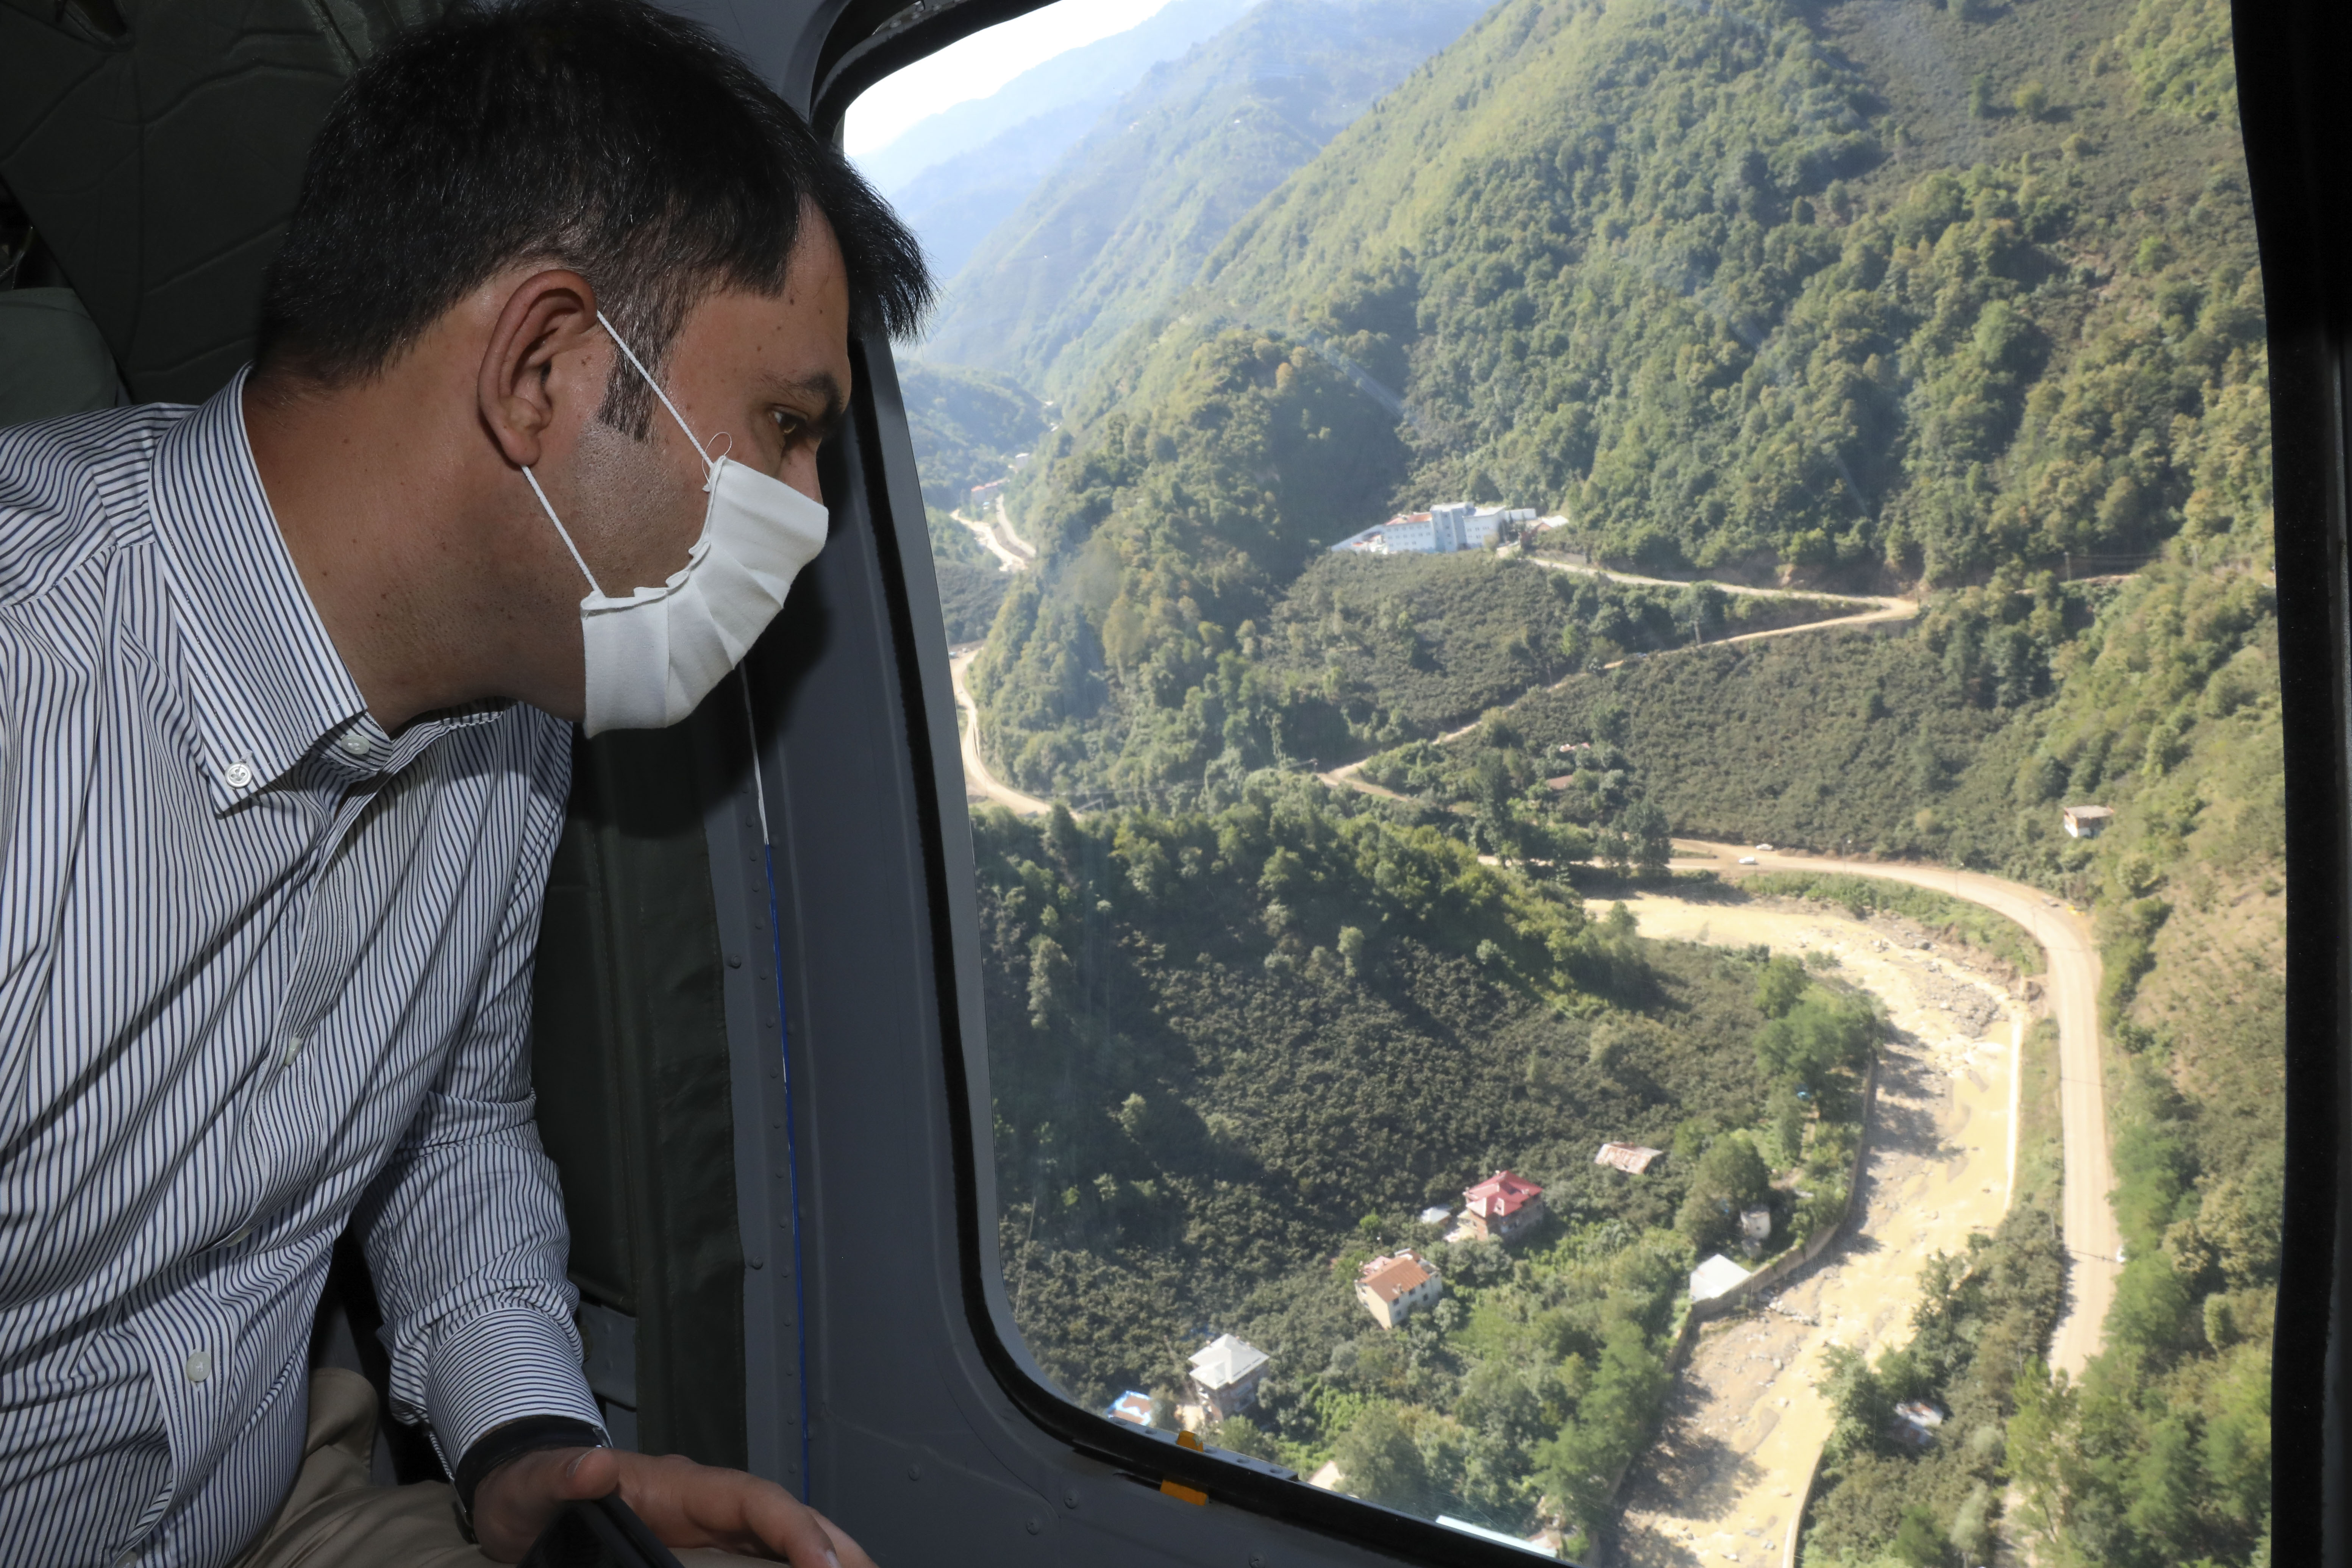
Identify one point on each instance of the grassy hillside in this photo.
(1125, 217)
(1869, 741)
(1407, 645)
(1236, 1054)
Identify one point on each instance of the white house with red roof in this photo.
(1505, 1206)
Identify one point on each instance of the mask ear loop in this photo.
(561, 533)
(711, 467)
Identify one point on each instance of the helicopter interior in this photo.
(760, 1064)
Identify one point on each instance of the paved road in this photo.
(975, 771)
(2091, 1238)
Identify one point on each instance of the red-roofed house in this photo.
(1503, 1206)
(1391, 1287)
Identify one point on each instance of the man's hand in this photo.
(685, 1503)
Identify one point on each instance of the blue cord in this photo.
(791, 1154)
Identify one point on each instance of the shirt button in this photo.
(198, 1366)
(291, 1049)
(236, 1235)
(238, 775)
(128, 1560)
(355, 742)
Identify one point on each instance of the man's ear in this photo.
(534, 363)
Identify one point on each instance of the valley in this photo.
(1318, 888)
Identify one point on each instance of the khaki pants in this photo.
(334, 1519)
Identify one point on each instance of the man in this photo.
(285, 691)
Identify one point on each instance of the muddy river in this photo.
(1744, 1423)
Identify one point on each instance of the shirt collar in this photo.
(264, 680)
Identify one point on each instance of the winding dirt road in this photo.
(2093, 1240)
(999, 540)
(977, 779)
(1880, 610)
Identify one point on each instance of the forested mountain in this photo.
(1679, 271)
(967, 427)
(1736, 281)
(958, 202)
(958, 173)
(1123, 221)
(1091, 75)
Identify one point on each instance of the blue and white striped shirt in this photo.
(265, 970)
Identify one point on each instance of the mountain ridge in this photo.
(1124, 219)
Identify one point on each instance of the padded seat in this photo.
(53, 360)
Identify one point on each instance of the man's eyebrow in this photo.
(819, 387)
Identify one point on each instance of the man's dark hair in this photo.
(603, 135)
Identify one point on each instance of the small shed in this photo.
(1634, 1159)
(1755, 1229)
(2087, 821)
(1133, 1407)
(1714, 1277)
(1436, 1213)
(1915, 1423)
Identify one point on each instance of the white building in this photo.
(1392, 1288)
(1225, 1375)
(2086, 821)
(1440, 531)
(1714, 1277)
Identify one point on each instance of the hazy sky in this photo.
(981, 63)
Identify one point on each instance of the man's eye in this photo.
(789, 424)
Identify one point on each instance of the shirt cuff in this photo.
(500, 1367)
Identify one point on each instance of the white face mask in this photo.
(653, 655)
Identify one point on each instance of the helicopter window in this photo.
(1618, 680)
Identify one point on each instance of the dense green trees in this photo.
(967, 426)
(1816, 1038)
(1233, 1054)
(1380, 649)
(2161, 1453)
(1660, 266)
(1731, 1177)
(1127, 667)
(1974, 1355)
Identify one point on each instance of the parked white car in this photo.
(1748, 860)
